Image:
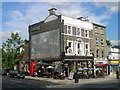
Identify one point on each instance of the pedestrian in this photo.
(117, 74)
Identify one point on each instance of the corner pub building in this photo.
(64, 42)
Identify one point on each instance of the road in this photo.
(8, 82)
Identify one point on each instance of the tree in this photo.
(108, 43)
(12, 49)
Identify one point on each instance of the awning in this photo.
(42, 63)
(101, 64)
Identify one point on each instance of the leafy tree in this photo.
(12, 50)
(108, 43)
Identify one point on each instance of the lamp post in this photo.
(76, 76)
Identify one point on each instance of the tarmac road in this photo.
(8, 82)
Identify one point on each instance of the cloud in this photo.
(36, 12)
(112, 7)
(78, 10)
(6, 35)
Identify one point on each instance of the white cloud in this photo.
(112, 7)
(37, 12)
(6, 35)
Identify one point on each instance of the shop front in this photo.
(102, 65)
(113, 66)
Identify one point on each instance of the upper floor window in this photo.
(97, 53)
(78, 48)
(102, 53)
(87, 48)
(86, 33)
(102, 42)
(78, 32)
(96, 28)
(69, 30)
(102, 31)
(97, 41)
(70, 47)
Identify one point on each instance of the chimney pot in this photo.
(52, 11)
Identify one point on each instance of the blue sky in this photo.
(17, 16)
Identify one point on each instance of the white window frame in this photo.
(77, 31)
(69, 47)
(86, 33)
(79, 48)
(87, 49)
(71, 30)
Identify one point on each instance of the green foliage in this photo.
(74, 70)
(108, 43)
(10, 50)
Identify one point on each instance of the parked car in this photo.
(16, 74)
(3, 72)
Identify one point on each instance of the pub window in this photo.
(70, 47)
(86, 33)
(87, 48)
(78, 48)
(78, 32)
(69, 30)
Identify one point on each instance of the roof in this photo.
(99, 25)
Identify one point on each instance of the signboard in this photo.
(71, 75)
(114, 62)
(46, 45)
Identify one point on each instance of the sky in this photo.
(17, 16)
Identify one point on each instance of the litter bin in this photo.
(76, 78)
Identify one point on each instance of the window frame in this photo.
(68, 29)
(86, 33)
(70, 47)
(77, 31)
(97, 41)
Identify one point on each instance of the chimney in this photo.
(83, 18)
(52, 11)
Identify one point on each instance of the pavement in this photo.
(67, 81)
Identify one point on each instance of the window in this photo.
(87, 48)
(86, 33)
(97, 53)
(69, 30)
(102, 42)
(70, 47)
(97, 41)
(102, 53)
(78, 32)
(78, 48)
(96, 28)
(102, 31)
